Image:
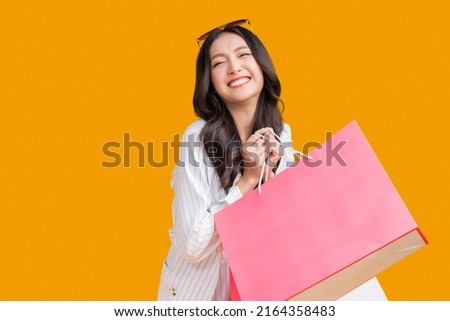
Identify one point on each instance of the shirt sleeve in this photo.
(193, 207)
(287, 156)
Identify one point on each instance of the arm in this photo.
(193, 206)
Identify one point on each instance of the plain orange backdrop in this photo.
(76, 75)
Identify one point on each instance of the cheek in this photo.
(260, 77)
(217, 80)
(256, 69)
(214, 78)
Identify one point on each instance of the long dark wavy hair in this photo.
(220, 136)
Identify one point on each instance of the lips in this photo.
(238, 82)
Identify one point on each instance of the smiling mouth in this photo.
(239, 82)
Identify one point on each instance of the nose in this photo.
(234, 67)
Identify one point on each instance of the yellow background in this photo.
(77, 74)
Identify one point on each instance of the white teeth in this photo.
(239, 81)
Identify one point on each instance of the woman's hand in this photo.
(272, 148)
(260, 147)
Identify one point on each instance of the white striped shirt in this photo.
(196, 267)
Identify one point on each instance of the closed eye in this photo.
(218, 63)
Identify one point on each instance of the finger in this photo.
(260, 142)
(274, 147)
(266, 130)
(270, 141)
(253, 138)
(269, 135)
(276, 137)
(274, 153)
(251, 144)
(260, 154)
(263, 131)
(252, 152)
(270, 130)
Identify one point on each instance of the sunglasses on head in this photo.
(242, 22)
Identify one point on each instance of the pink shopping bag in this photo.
(318, 230)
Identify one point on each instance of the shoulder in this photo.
(286, 134)
(195, 127)
(286, 127)
(190, 142)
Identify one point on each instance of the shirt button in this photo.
(172, 291)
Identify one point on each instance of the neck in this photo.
(244, 118)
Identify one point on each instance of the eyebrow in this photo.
(237, 49)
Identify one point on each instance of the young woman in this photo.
(221, 158)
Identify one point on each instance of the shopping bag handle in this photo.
(265, 167)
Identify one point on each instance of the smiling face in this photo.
(235, 74)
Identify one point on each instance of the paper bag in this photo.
(320, 228)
